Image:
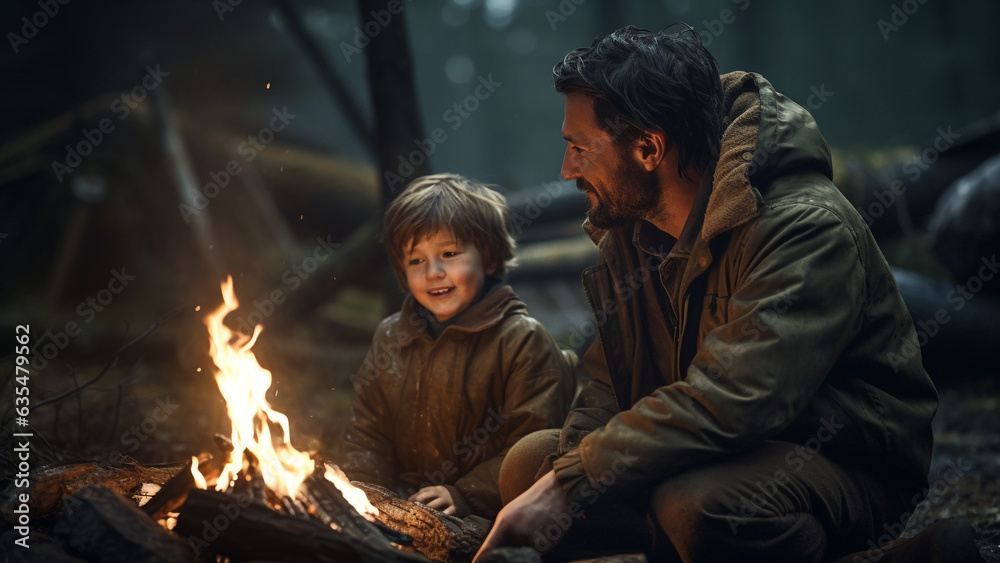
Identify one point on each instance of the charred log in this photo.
(174, 492)
(98, 524)
(217, 523)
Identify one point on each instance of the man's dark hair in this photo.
(653, 82)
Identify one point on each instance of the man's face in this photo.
(619, 189)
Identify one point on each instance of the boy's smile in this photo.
(445, 275)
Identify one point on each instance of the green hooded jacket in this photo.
(802, 336)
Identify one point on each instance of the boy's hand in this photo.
(436, 497)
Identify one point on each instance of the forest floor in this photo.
(966, 446)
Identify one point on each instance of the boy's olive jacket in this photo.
(802, 333)
(445, 411)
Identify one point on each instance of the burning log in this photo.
(52, 484)
(437, 535)
(243, 531)
(174, 492)
(330, 506)
(99, 525)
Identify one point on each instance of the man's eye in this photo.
(577, 149)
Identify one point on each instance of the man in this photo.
(749, 392)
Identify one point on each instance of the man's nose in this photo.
(571, 168)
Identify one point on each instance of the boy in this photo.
(462, 372)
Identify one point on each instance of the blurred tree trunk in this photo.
(336, 87)
(398, 128)
(396, 138)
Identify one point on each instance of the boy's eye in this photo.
(450, 253)
(414, 261)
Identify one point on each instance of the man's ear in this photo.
(653, 147)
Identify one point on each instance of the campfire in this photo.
(259, 499)
(244, 383)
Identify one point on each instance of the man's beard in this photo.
(632, 196)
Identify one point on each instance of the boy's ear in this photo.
(490, 269)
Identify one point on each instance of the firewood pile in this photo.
(91, 512)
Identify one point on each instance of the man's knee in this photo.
(524, 461)
(709, 515)
(688, 501)
(678, 500)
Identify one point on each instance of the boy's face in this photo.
(445, 275)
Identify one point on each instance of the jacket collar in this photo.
(496, 305)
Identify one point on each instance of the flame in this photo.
(353, 495)
(199, 479)
(243, 383)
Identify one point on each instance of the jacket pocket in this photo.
(714, 313)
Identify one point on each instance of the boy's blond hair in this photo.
(474, 213)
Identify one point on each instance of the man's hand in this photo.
(518, 522)
(437, 498)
